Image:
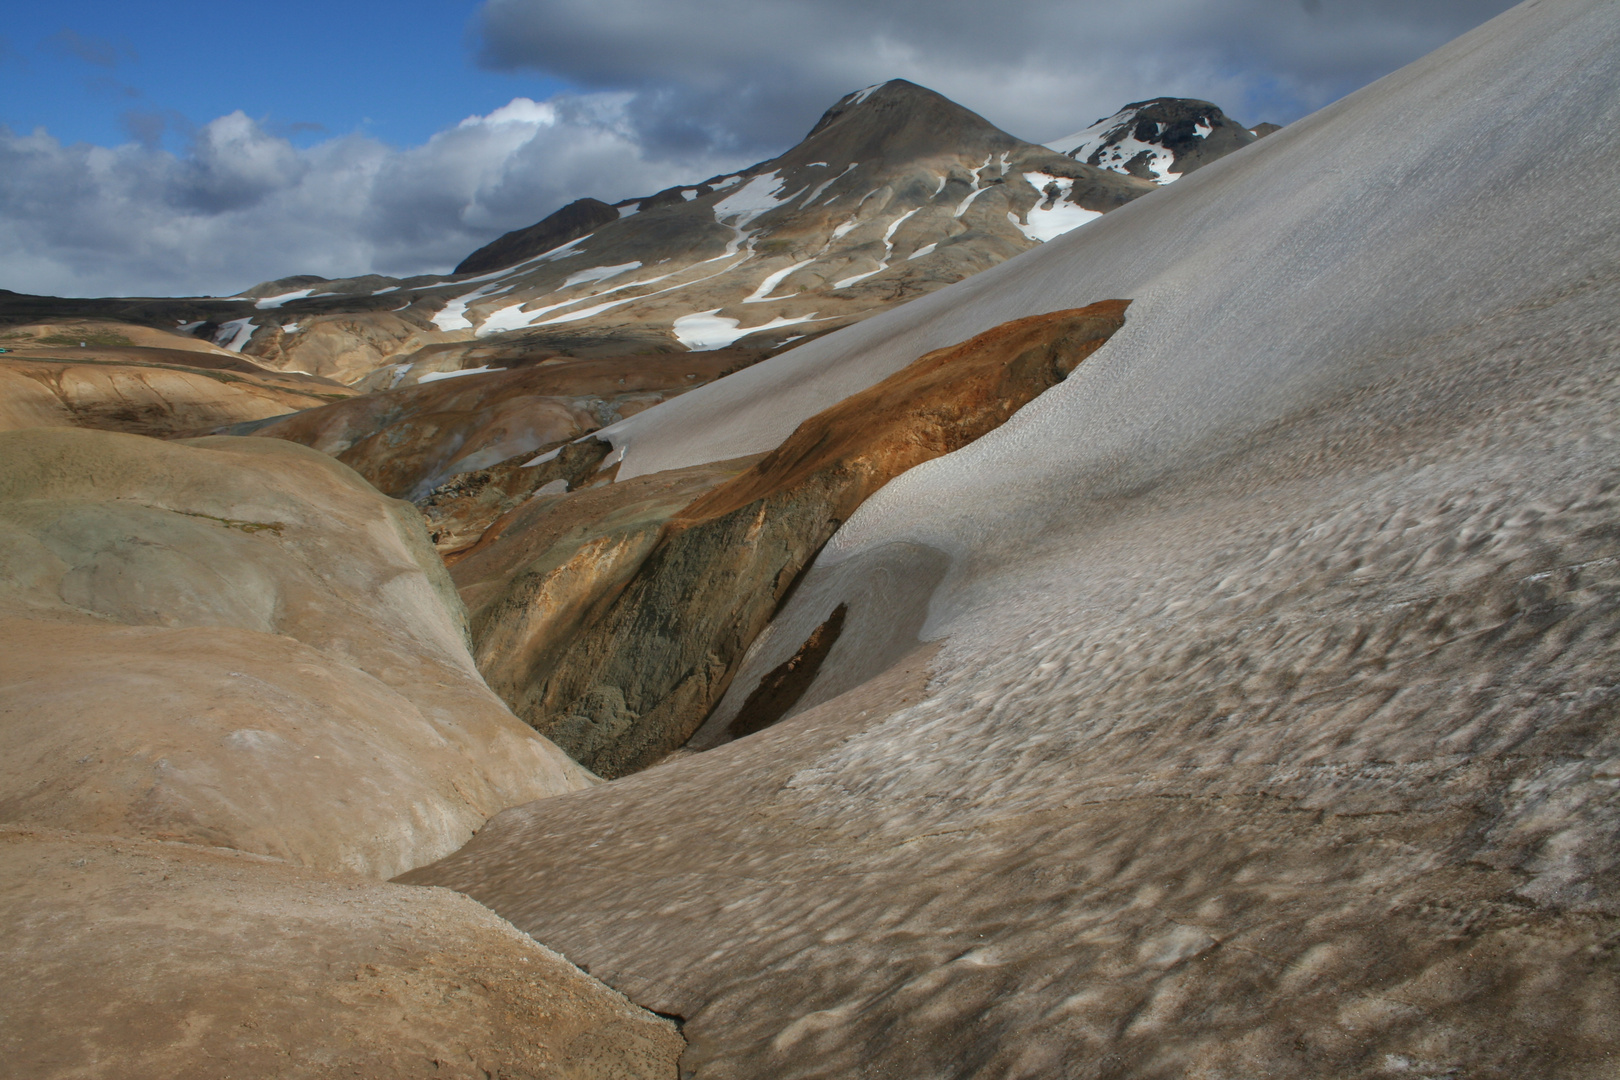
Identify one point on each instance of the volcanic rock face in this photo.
(237, 643)
(1272, 729)
(128, 959)
(1159, 140)
(635, 684)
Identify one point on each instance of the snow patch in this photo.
(232, 335)
(862, 95)
(549, 455)
(1053, 215)
(281, 298)
(888, 251)
(704, 331)
(926, 249)
(759, 196)
(453, 316)
(763, 293)
(978, 187)
(289, 328)
(816, 194)
(1116, 138)
(511, 317)
(440, 376)
(599, 273)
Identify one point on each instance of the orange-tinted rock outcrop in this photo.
(631, 681)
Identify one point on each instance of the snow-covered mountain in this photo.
(895, 192)
(1159, 140)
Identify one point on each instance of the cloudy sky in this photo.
(195, 146)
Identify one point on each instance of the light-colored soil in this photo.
(237, 642)
(134, 960)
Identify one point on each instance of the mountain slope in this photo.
(895, 192)
(1270, 728)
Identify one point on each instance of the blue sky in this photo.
(191, 147)
(402, 71)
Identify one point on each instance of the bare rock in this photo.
(413, 439)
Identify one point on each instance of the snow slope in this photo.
(1272, 728)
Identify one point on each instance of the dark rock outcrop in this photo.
(579, 218)
(415, 439)
(1158, 139)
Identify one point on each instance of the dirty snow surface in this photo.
(1273, 729)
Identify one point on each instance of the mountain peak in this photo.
(1160, 139)
(899, 119)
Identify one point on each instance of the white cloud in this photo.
(244, 206)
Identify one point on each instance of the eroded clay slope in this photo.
(239, 643)
(1273, 728)
(121, 377)
(135, 960)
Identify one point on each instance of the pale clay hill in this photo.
(1183, 649)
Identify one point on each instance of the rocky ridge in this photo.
(895, 192)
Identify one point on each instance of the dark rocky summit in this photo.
(1160, 139)
(579, 218)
